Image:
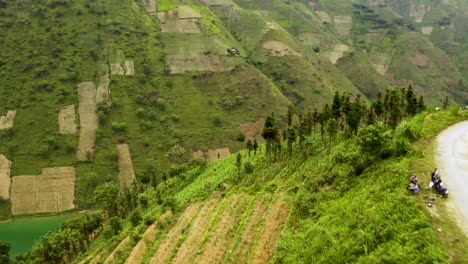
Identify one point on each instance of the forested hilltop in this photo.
(318, 191)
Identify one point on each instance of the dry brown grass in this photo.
(139, 251)
(275, 220)
(53, 191)
(222, 232)
(7, 120)
(419, 59)
(324, 17)
(115, 253)
(126, 172)
(219, 153)
(103, 92)
(277, 48)
(5, 177)
(163, 252)
(253, 130)
(66, 119)
(188, 249)
(180, 63)
(88, 120)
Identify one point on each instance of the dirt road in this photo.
(452, 159)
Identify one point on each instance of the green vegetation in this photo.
(341, 159)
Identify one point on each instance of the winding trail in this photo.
(452, 159)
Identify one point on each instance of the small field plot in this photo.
(126, 172)
(197, 52)
(53, 191)
(66, 118)
(182, 63)
(5, 180)
(218, 153)
(181, 20)
(88, 120)
(343, 25)
(7, 120)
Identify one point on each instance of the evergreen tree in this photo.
(421, 105)
(378, 105)
(249, 145)
(395, 108)
(371, 117)
(270, 132)
(255, 146)
(411, 102)
(446, 103)
(355, 114)
(336, 106)
(290, 115)
(238, 162)
(291, 134)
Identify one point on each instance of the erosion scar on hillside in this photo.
(88, 120)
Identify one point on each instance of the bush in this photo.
(120, 127)
(135, 218)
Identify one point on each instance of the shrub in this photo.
(120, 127)
(135, 218)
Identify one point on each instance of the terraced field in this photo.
(239, 228)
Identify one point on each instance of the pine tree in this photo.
(446, 103)
(378, 105)
(255, 146)
(411, 102)
(249, 145)
(270, 132)
(371, 118)
(421, 105)
(336, 106)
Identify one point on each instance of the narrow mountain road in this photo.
(452, 161)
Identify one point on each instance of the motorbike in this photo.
(438, 188)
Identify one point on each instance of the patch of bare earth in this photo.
(380, 61)
(88, 120)
(277, 48)
(222, 233)
(197, 154)
(116, 68)
(139, 251)
(418, 11)
(419, 59)
(324, 17)
(274, 222)
(126, 172)
(219, 153)
(312, 4)
(7, 120)
(217, 2)
(5, 177)
(427, 30)
(53, 191)
(114, 256)
(180, 63)
(103, 92)
(240, 253)
(66, 118)
(181, 20)
(166, 246)
(129, 68)
(253, 130)
(343, 25)
(188, 249)
(150, 6)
